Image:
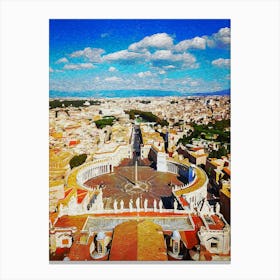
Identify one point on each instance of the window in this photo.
(214, 245)
(65, 241)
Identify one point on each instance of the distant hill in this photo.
(221, 92)
(129, 93)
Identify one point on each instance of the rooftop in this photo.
(138, 240)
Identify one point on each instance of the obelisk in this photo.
(136, 175)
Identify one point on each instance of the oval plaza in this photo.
(130, 184)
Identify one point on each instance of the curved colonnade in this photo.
(189, 195)
(192, 194)
(89, 170)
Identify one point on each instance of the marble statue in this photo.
(218, 208)
(122, 204)
(115, 205)
(137, 202)
(160, 204)
(175, 204)
(155, 205)
(146, 204)
(130, 205)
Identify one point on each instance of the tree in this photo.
(218, 154)
(147, 116)
(77, 160)
(105, 121)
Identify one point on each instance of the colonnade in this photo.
(92, 171)
(172, 168)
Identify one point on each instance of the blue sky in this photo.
(179, 55)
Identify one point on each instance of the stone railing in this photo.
(132, 210)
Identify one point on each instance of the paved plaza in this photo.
(158, 185)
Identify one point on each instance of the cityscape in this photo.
(139, 140)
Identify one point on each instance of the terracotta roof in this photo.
(227, 170)
(183, 201)
(80, 252)
(197, 221)
(53, 216)
(138, 240)
(124, 244)
(151, 244)
(196, 148)
(81, 194)
(67, 192)
(219, 224)
(71, 221)
(190, 238)
(74, 142)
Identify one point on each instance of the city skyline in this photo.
(187, 56)
(139, 140)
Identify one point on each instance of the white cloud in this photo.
(194, 83)
(184, 84)
(113, 79)
(167, 80)
(221, 62)
(51, 70)
(169, 67)
(169, 60)
(189, 82)
(223, 35)
(112, 69)
(125, 57)
(159, 41)
(220, 39)
(62, 60)
(78, 66)
(91, 54)
(144, 74)
(195, 43)
(161, 72)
